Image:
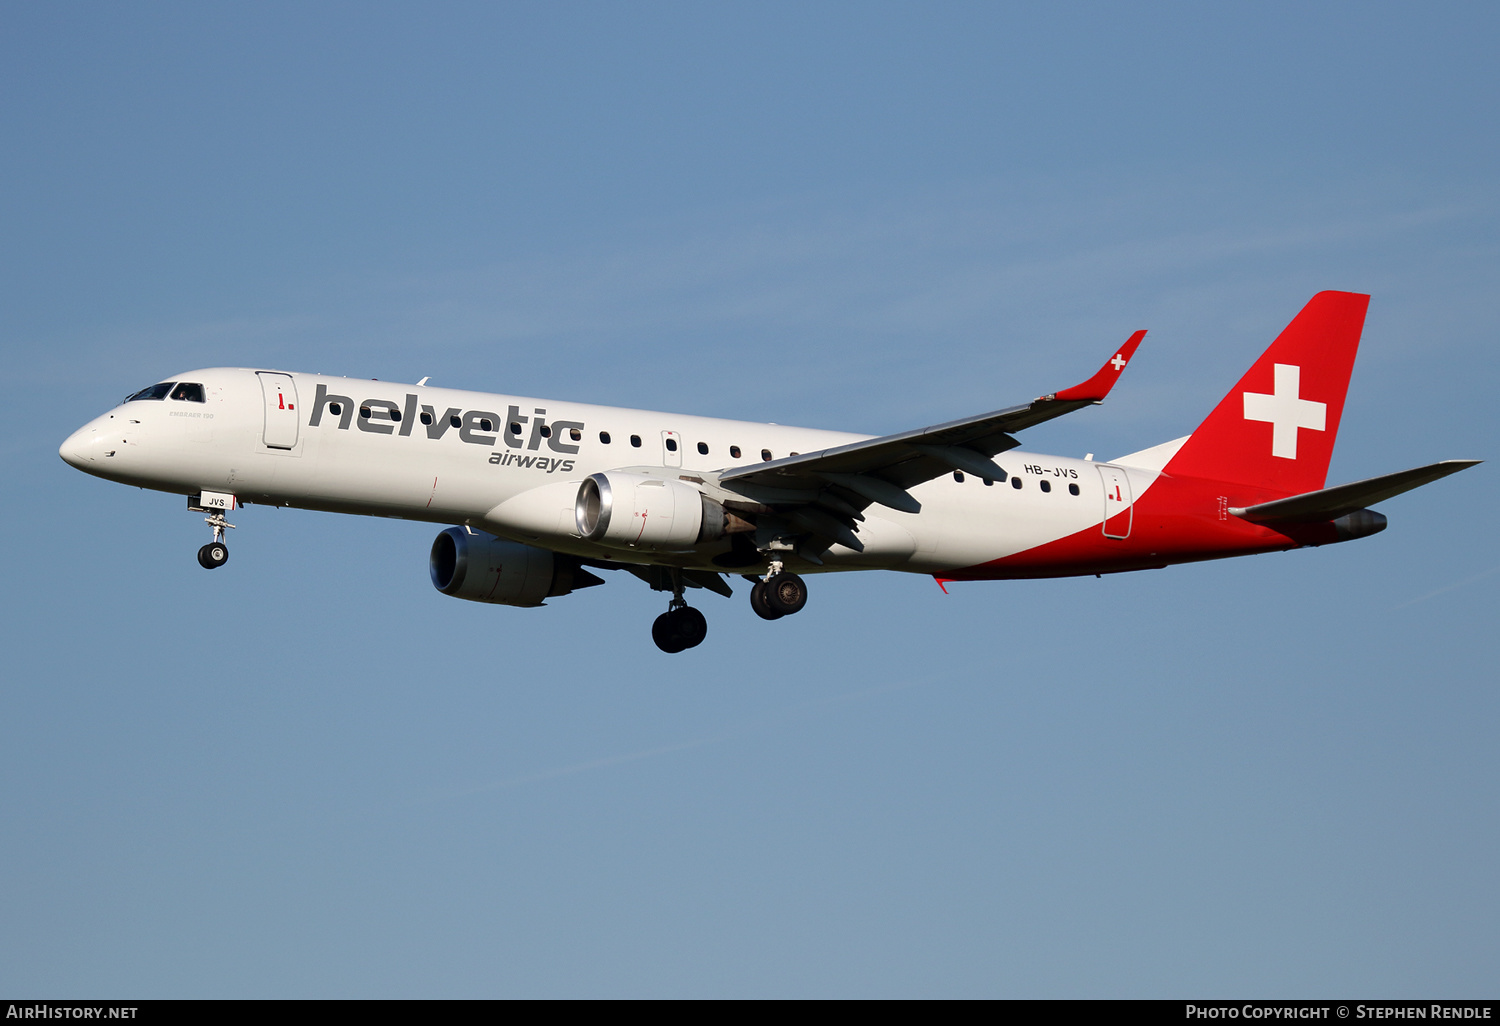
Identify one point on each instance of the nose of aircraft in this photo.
(83, 447)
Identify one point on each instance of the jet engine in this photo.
(483, 568)
(633, 511)
(1360, 524)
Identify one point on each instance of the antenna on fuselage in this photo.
(421, 383)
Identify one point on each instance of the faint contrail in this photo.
(1447, 587)
(791, 712)
(581, 767)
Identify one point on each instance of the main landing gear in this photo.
(681, 626)
(780, 594)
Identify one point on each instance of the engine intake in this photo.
(633, 511)
(483, 568)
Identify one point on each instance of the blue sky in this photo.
(310, 774)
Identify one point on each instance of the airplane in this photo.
(542, 493)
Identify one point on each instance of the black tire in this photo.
(692, 627)
(664, 632)
(213, 555)
(761, 606)
(786, 593)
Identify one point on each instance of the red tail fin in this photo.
(1276, 427)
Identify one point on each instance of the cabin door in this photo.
(280, 393)
(1117, 502)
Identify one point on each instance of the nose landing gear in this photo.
(215, 554)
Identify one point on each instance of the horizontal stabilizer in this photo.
(1332, 503)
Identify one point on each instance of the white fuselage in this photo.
(512, 465)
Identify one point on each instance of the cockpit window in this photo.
(154, 392)
(189, 392)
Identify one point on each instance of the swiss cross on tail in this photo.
(1286, 411)
(1275, 429)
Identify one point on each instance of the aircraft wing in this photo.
(1332, 503)
(881, 469)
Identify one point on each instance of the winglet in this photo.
(1097, 387)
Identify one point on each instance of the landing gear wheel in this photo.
(664, 633)
(692, 627)
(760, 605)
(679, 629)
(785, 593)
(215, 554)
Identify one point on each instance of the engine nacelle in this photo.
(483, 568)
(633, 511)
(1360, 524)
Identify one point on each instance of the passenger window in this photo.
(988, 482)
(635, 440)
(154, 392)
(455, 422)
(188, 392)
(765, 454)
(575, 434)
(546, 431)
(396, 416)
(515, 429)
(604, 437)
(958, 475)
(364, 413)
(485, 424)
(702, 448)
(734, 452)
(1046, 485)
(1015, 482)
(1072, 489)
(671, 445)
(337, 409)
(426, 418)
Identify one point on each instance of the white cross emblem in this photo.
(1285, 411)
(1119, 362)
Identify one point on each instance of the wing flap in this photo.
(660, 577)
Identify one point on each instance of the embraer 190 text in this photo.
(544, 492)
